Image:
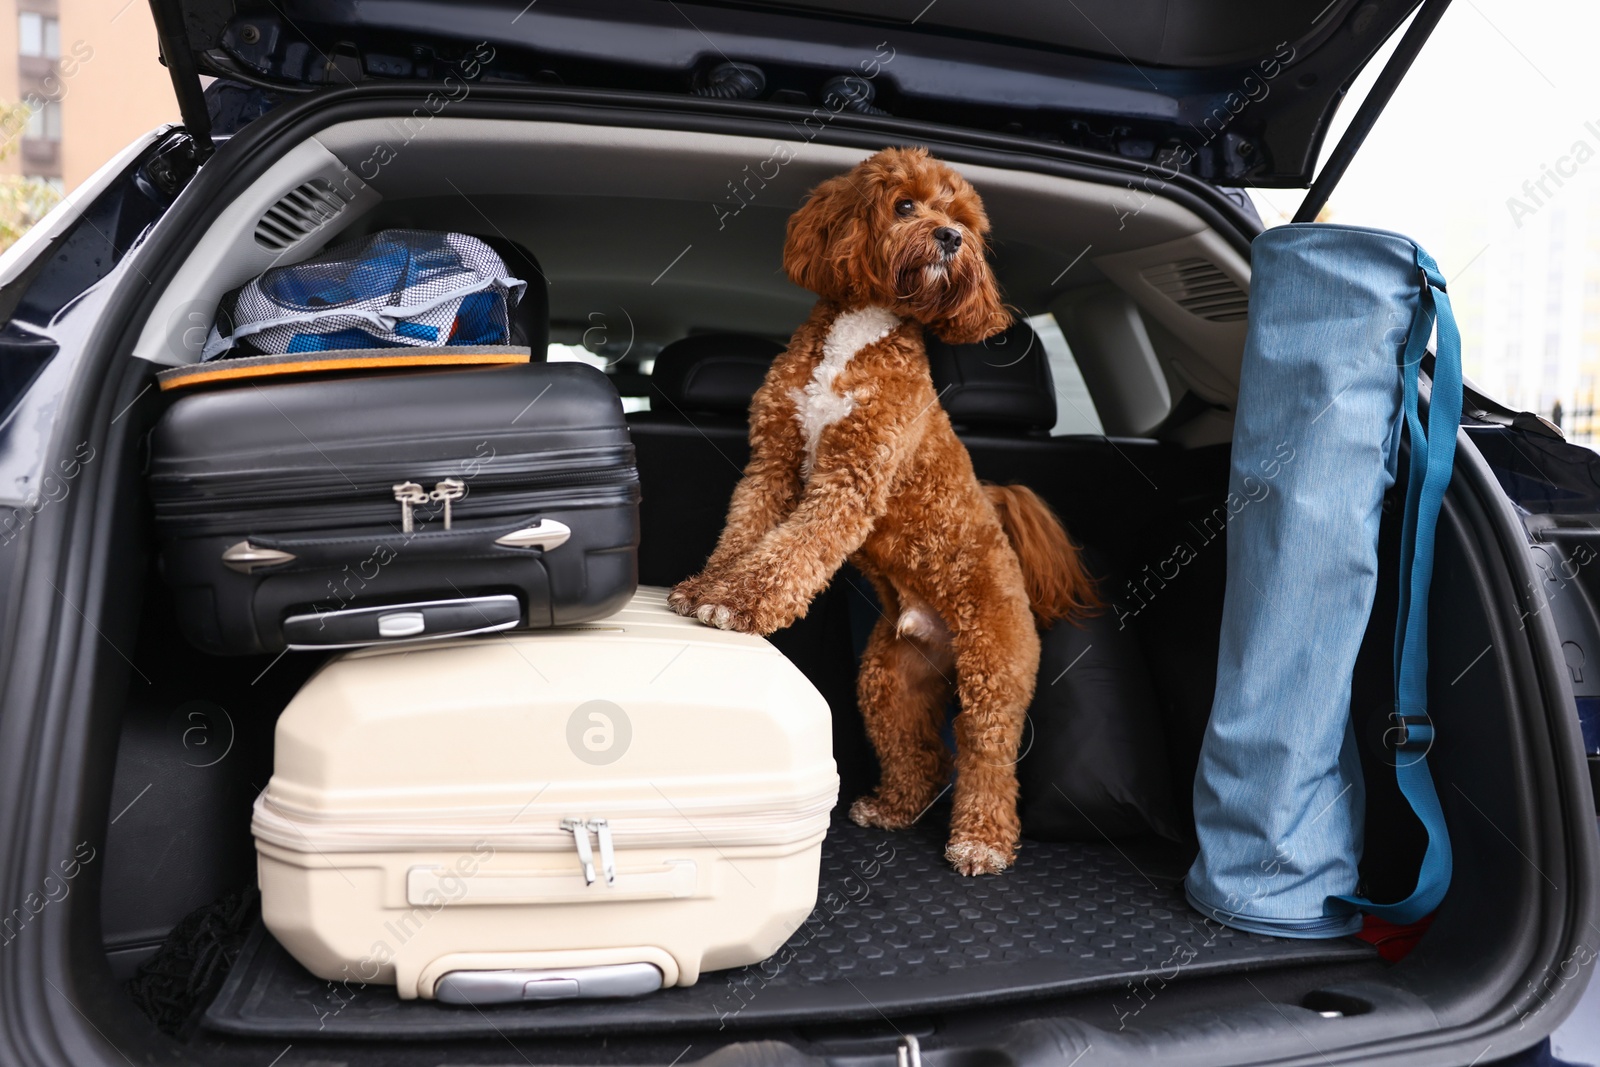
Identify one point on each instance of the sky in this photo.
(1488, 155)
(1501, 90)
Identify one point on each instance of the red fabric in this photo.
(1393, 942)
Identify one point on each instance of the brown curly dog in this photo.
(852, 458)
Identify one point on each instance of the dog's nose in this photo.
(949, 239)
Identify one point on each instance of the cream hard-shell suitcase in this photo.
(596, 810)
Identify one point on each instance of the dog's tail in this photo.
(1059, 585)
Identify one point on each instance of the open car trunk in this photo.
(649, 227)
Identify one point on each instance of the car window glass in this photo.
(559, 353)
(1075, 412)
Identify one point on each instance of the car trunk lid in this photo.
(1231, 91)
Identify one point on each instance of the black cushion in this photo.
(710, 373)
(1095, 766)
(1002, 385)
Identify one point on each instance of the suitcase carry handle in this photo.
(285, 555)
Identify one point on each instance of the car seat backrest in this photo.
(710, 374)
(530, 319)
(999, 386)
(692, 446)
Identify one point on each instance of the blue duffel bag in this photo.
(1340, 319)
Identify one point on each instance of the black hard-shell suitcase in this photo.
(352, 511)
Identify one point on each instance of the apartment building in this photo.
(90, 76)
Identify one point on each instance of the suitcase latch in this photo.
(245, 557)
(580, 829)
(545, 534)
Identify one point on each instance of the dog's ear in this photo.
(974, 311)
(825, 239)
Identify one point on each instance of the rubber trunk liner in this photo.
(895, 931)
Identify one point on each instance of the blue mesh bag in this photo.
(392, 289)
(1340, 319)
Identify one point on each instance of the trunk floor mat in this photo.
(895, 932)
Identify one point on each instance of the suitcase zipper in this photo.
(267, 489)
(201, 517)
(253, 497)
(798, 819)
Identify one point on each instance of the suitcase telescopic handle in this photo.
(425, 620)
(284, 555)
(568, 983)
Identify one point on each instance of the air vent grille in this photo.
(1200, 288)
(302, 211)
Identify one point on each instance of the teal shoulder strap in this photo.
(1433, 453)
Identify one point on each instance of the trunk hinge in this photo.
(170, 169)
(1416, 36)
(179, 57)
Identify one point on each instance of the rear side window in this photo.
(558, 353)
(1075, 413)
(630, 385)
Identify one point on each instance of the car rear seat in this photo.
(1129, 501)
(1001, 398)
(692, 446)
(1002, 385)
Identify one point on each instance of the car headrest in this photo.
(715, 373)
(1001, 385)
(530, 319)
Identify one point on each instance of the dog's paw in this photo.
(724, 617)
(874, 812)
(685, 596)
(970, 857)
(865, 812)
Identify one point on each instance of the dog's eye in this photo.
(904, 207)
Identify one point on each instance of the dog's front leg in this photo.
(774, 582)
(770, 487)
(767, 492)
